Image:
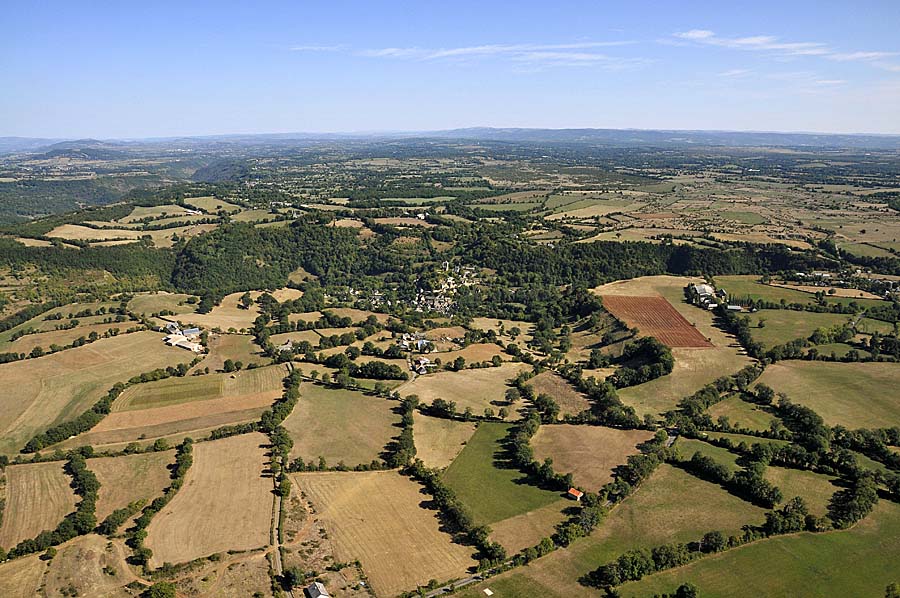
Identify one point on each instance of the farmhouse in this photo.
(316, 590)
(174, 339)
(186, 344)
(575, 493)
(191, 332)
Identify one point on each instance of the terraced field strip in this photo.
(656, 317)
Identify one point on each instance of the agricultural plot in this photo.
(488, 484)
(226, 316)
(62, 338)
(211, 204)
(377, 517)
(88, 565)
(694, 367)
(475, 353)
(528, 529)
(340, 425)
(151, 303)
(688, 446)
(505, 327)
(742, 414)
(22, 578)
(783, 325)
(141, 212)
(748, 287)
(589, 453)
(174, 405)
(38, 497)
(310, 336)
(655, 316)
(236, 347)
(476, 389)
(129, 478)
(814, 488)
(225, 503)
(570, 401)
(38, 393)
(671, 506)
(855, 395)
(856, 562)
(439, 441)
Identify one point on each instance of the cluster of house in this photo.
(414, 342)
(183, 339)
(421, 365)
(441, 299)
(707, 297)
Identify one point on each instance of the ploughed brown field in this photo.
(655, 316)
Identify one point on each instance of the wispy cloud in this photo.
(334, 48)
(735, 73)
(773, 45)
(568, 54)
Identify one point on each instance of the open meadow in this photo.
(438, 441)
(570, 401)
(488, 484)
(227, 316)
(476, 389)
(225, 504)
(38, 393)
(671, 506)
(341, 425)
(856, 562)
(129, 478)
(589, 453)
(855, 395)
(38, 497)
(236, 347)
(783, 325)
(742, 414)
(378, 518)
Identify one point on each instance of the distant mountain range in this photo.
(100, 149)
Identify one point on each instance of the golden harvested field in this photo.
(475, 353)
(150, 303)
(376, 517)
(357, 315)
(476, 389)
(693, 367)
(22, 578)
(309, 316)
(590, 453)
(38, 393)
(225, 316)
(601, 208)
(211, 204)
(528, 529)
(855, 395)
(236, 347)
(450, 332)
(129, 478)
(62, 338)
(71, 232)
(404, 222)
(225, 504)
(38, 497)
(837, 291)
(570, 401)
(340, 425)
(177, 405)
(439, 441)
(140, 212)
(286, 294)
(310, 336)
(91, 566)
(34, 242)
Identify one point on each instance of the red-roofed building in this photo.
(575, 493)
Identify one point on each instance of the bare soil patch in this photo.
(656, 317)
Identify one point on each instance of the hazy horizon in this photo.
(165, 70)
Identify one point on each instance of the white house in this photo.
(316, 590)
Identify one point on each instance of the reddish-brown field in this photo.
(656, 317)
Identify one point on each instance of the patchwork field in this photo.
(742, 414)
(654, 316)
(38, 497)
(174, 405)
(129, 478)
(438, 441)
(570, 401)
(589, 453)
(671, 506)
(856, 395)
(38, 393)
(225, 316)
(857, 562)
(816, 489)
(783, 325)
(476, 389)
(340, 425)
(486, 482)
(693, 367)
(225, 504)
(236, 347)
(377, 517)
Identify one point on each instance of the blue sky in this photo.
(129, 69)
